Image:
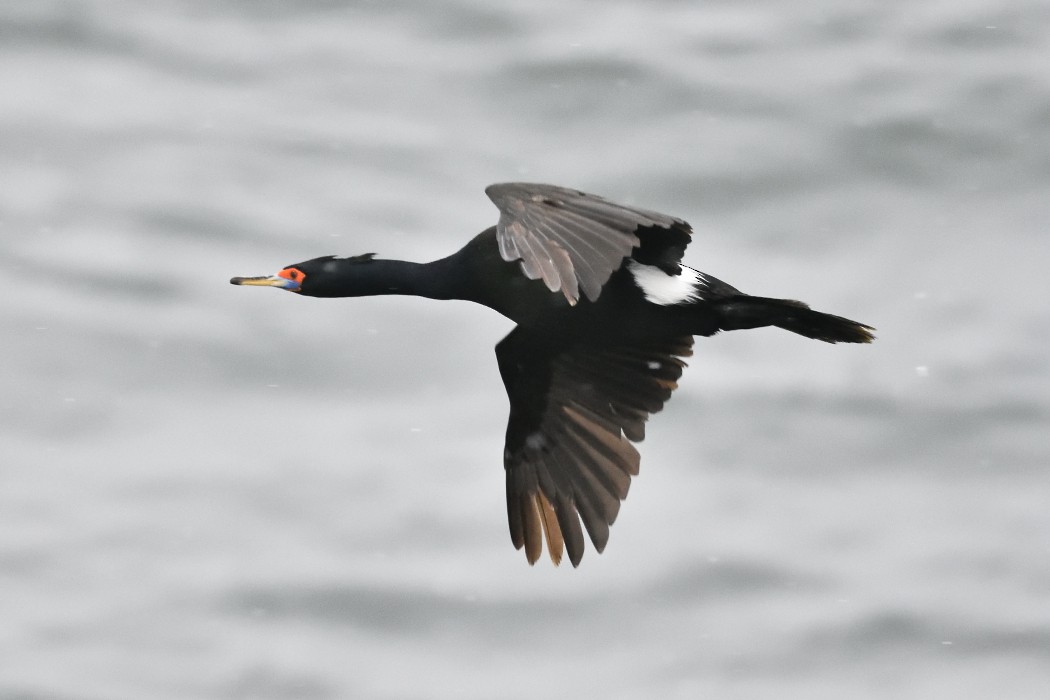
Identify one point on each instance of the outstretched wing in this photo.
(573, 240)
(573, 413)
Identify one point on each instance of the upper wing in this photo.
(573, 240)
(573, 412)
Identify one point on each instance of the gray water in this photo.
(218, 492)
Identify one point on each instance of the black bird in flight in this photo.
(605, 312)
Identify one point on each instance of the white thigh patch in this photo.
(664, 289)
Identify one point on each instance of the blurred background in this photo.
(217, 492)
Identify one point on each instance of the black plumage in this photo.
(605, 312)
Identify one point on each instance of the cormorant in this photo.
(605, 312)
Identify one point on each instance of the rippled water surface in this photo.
(218, 492)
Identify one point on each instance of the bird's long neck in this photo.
(434, 280)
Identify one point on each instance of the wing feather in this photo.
(574, 412)
(560, 234)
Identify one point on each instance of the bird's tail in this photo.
(745, 311)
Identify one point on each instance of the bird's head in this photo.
(312, 278)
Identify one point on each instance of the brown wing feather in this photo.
(574, 412)
(569, 239)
